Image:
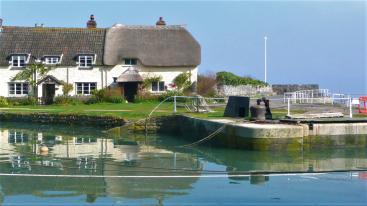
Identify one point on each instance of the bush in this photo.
(67, 100)
(3, 102)
(107, 95)
(182, 81)
(92, 100)
(170, 94)
(66, 88)
(146, 97)
(228, 78)
(206, 85)
(30, 100)
(115, 99)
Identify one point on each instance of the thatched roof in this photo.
(130, 75)
(159, 46)
(152, 45)
(40, 41)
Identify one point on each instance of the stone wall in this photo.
(282, 88)
(243, 90)
(69, 119)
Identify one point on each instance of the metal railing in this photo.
(199, 102)
(347, 100)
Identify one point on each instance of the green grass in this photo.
(130, 111)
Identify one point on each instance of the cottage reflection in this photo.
(92, 156)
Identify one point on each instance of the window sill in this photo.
(17, 68)
(17, 95)
(86, 68)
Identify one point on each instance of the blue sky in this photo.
(320, 42)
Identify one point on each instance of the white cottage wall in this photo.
(103, 76)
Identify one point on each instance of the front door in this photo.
(48, 93)
(130, 90)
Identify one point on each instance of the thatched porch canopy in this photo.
(130, 75)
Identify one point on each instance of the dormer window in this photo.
(130, 61)
(19, 60)
(86, 61)
(52, 60)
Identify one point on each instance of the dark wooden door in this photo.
(48, 93)
(130, 90)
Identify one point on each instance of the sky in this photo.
(321, 42)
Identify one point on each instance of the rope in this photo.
(207, 138)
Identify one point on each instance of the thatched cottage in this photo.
(94, 58)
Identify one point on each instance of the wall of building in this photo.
(103, 76)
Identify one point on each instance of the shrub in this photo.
(3, 102)
(67, 88)
(228, 78)
(107, 95)
(182, 81)
(146, 97)
(92, 100)
(170, 94)
(149, 79)
(206, 85)
(30, 100)
(67, 100)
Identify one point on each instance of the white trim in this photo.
(82, 88)
(26, 60)
(15, 89)
(86, 56)
(45, 57)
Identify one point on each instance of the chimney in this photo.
(160, 22)
(91, 24)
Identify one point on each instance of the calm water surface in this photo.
(86, 166)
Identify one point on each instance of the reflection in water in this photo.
(83, 151)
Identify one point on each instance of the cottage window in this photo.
(85, 88)
(130, 61)
(52, 60)
(18, 60)
(158, 86)
(86, 61)
(17, 137)
(18, 89)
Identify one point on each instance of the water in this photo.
(85, 166)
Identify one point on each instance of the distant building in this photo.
(94, 58)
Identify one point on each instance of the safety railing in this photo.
(348, 102)
(198, 103)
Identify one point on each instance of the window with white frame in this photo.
(17, 137)
(130, 61)
(85, 61)
(158, 86)
(18, 88)
(51, 60)
(85, 88)
(18, 60)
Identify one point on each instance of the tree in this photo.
(32, 74)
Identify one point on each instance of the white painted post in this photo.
(265, 60)
(174, 105)
(350, 108)
(289, 107)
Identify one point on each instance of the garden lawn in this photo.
(129, 111)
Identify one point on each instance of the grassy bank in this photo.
(130, 111)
